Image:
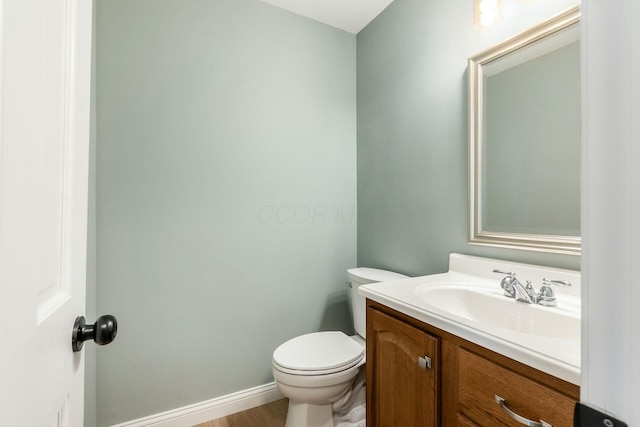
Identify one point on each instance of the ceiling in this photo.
(348, 15)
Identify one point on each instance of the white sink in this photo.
(488, 306)
(467, 301)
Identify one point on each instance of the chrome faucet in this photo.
(546, 296)
(526, 293)
(507, 283)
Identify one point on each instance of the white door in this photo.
(45, 62)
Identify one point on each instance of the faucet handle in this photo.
(546, 296)
(546, 281)
(507, 283)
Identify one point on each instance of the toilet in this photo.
(314, 370)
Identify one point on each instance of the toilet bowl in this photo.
(317, 369)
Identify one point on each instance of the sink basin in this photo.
(488, 306)
(467, 301)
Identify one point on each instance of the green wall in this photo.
(90, 358)
(226, 194)
(412, 132)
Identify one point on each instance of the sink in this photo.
(467, 301)
(488, 306)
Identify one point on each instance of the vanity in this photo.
(452, 349)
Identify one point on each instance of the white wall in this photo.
(611, 207)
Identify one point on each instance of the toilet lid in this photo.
(319, 352)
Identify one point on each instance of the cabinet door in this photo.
(401, 390)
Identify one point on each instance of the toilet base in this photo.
(309, 415)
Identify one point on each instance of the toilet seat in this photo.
(318, 353)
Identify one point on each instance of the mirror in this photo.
(524, 140)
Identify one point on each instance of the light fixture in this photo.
(487, 13)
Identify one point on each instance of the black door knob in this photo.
(102, 332)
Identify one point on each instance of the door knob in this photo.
(102, 332)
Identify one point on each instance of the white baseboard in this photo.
(219, 407)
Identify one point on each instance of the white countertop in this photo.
(557, 356)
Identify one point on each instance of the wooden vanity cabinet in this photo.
(460, 387)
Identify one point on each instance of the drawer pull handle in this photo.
(519, 418)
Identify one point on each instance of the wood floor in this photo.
(272, 414)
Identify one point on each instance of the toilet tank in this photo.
(361, 276)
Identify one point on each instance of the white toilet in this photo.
(314, 370)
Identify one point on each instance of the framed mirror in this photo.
(524, 139)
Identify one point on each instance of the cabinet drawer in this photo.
(480, 380)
